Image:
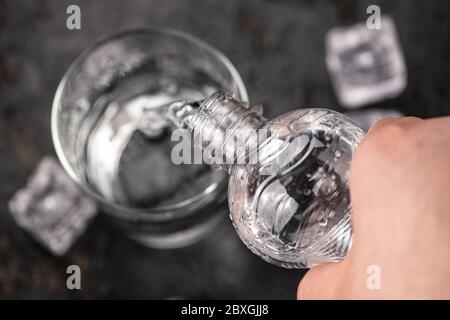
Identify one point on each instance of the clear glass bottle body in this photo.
(291, 207)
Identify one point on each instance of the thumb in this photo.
(320, 282)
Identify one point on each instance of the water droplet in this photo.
(337, 153)
(307, 192)
(331, 214)
(323, 221)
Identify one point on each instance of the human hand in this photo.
(400, 191)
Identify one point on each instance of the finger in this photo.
(372, 166)
(320, 282)
(406, 122)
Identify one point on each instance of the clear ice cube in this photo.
(52, 208)
(366, 65)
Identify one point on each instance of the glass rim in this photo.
(159, 213)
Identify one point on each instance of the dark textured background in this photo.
(277, 46)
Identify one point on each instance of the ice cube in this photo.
(366, 118)
(366, 65)
(52, 208)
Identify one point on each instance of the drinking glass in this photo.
(111, 138)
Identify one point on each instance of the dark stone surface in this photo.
(277, 46)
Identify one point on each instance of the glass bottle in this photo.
(288, 177)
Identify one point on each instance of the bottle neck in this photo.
(224, 129)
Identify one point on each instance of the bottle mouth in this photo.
(164, 212)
